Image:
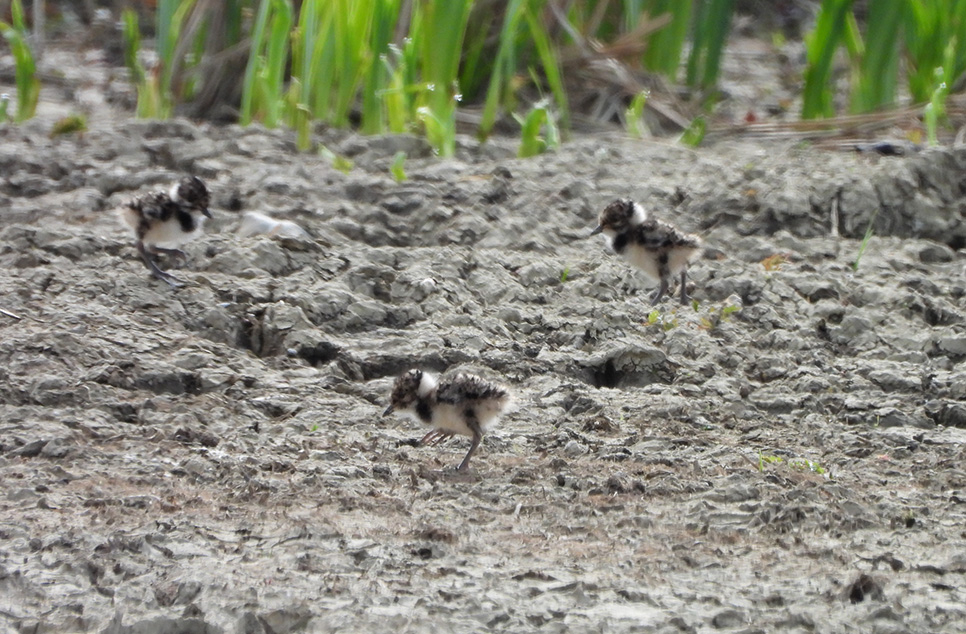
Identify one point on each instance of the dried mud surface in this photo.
(212, 459)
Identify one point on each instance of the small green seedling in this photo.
(340, 163)
(693, 136)
(655, 317)
(804, 464)
(714, 318)
(438, 131)
(539, 118)
(396, 168)
(936, 108)
(565, 274)
(766, 458)
(634, 113)
(4, 103)
(865, 240)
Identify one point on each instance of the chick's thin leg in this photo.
(477, 437)
(684, 288)
(174, 253)
(435, 437)
(155, 270)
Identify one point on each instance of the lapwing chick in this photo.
(465, 404)
(658, 248)
(164, 220)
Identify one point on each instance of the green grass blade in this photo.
(250, 92)
(869, 231)
(398, 166)
(820, 46)
(923, 27)
(634, 113)
(664, 47)
(878, 81)
(395, 97)
(477, 65)
(25, 68)
(693, 136)
(304, 41)
(712, 22)
(442, 26)
(132, 45)
(551, 67)
(276, 61)
(165, 42)
(531, 143)
(323, 66)
(503, 67)
(383, 24)
(352, 28)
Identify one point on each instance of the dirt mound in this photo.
(788, 454)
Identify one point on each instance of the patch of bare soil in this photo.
(212, 459)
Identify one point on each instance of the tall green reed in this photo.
(820, 46)
(263, 85)
(517, 44)
(935, 37)
(25, 67)
(712, 22)
(157, 94)
(664, 46)
(877, 71)
(338, 49)
(928, 35)
(149, 104)
(403, 65)
(438, 28)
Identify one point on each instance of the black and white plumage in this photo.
(162, 221)
(656, 247)
(464, 404)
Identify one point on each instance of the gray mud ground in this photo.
(213, 460)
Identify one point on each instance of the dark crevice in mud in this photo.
(123, 412)
(865, 587)
(950, 414)
(169, 382)
(934, 313)
(319, 354)
(250, 334)
(608, 375)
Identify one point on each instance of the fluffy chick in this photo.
(464, 404)
(658, 248)
(162, 221)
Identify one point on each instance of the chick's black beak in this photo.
(388, 411)
(206, 212)
(596, 231)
